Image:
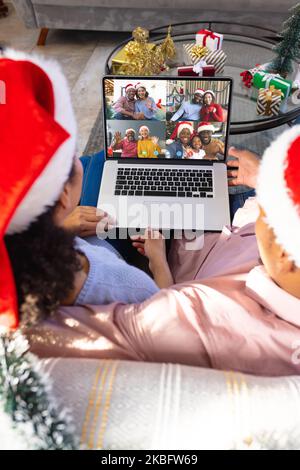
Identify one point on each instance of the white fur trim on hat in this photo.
(144, 127)
(130, 130)
(273, 195)
(211, 92)
(206, 127)
(46, 190)
(185, 126)
(140, 85)
(130, 85)
(199, 91)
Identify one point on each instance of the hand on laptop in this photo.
(244, 169)
(152, 244)
(83, 220)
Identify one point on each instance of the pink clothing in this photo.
(129, 148)
(123, 103)
(230, 316)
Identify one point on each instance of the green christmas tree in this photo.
(288, 49)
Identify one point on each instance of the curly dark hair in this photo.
(44, 262)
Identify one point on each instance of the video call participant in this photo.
(124, 107)
(212, 147)
(128, 145)
(147, 146)
(196, 151)
(210, 110)
(182, 133)
(144, 104)
(190, 110)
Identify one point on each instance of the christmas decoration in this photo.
(201, 69)
(263, 79)
(193, 54)
(269, 101)
(28, 418)
(288, 49)
(139, 57)
(213, 41)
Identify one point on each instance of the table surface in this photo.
(243, 52)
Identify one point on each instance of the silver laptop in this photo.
(165, 151)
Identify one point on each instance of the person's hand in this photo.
(244, 169)
(154, 140)
(152, 244)
(138, 116)
(118, 137)
(84, 219)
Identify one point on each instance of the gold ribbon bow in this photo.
(197, 52)
(269, 94)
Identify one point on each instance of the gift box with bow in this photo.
(194, 53)
(269, 101)
(213, 41)
(263, 79)
(201, 69)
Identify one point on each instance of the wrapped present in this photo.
(201, 69)
(263, 79)
(213, 41)
(193, 54)
(121, 59)
(269, 101)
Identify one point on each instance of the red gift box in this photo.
(188, 71)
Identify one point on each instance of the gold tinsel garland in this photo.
(143, 58)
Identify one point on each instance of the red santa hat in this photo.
(144, 127)
(129, 130)
(180, 126)
(205, 126)
(140, 85)
(199, 91)
(278, 190)
(128, 86)
(211, 92)
(37, 148)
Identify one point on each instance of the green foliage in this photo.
(24, 396)
(288, 49)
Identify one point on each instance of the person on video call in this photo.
(179, 144)
(212, 147)
(190, 110)
(147, 146)
(144, 104)
(128, 145)
(211, 111)
(196, 151)
(124, 107)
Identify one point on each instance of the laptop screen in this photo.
(166, 118)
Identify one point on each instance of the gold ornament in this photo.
(143, 58)
(197, 52)
(168, 48)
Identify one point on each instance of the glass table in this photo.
(245, 46)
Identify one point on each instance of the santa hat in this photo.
(199, 91)
(140, 85)
(128, 86)
(205, 126)
(180, 126)
(129, 130)
(278, 190)
(144, 127)
(37, 148)
(211, 92)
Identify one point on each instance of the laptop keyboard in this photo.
(164, 182)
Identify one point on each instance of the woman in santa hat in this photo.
(144, 104)
(147, 146)
(40, 186)
(180, 147)
(211, 111)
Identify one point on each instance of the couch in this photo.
(124, 15)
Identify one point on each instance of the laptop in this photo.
(165, 151)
